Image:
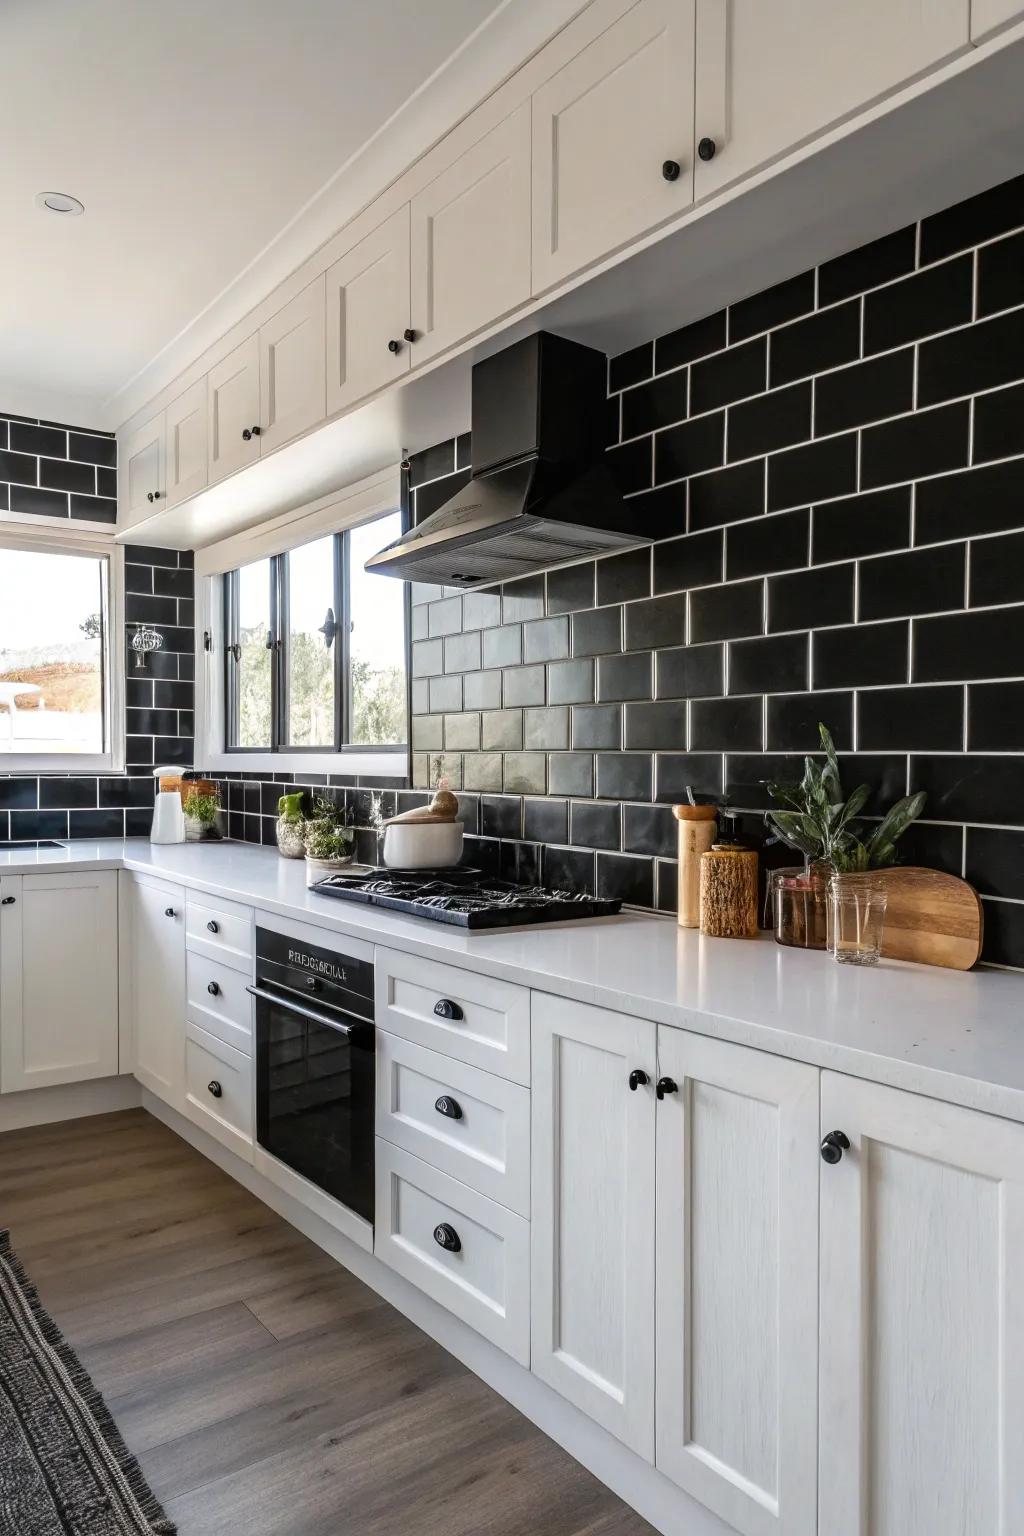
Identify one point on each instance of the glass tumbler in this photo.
(856, 915)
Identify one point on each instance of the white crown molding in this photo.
(498, 47)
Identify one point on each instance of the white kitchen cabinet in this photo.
(185, 447)
(368, 335)
(219, 1090)
(233, 407)
(989, 15)
(736, 1277)
(613, 140)
(770, 77)
(58, 979)
(471, 239)
(593, 1214)
(141, 472)
(293, 368)
(155, 958)
(922, 1318)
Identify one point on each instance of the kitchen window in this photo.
(314, 649)
(59, 656)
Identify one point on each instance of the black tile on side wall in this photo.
(933, 847)
(41, 440)
(501, 816)
(747, 776)
(546, 639)
(823, 340)
(910, 447)
(630, 367)
(726, 725)
(979, 356)
(690, 671)
(921, 581)
(867, 266)
(94, 509)
(655, 621)
(108, 823)
(728, 612)
(570, 682)
(811, 599)
(995, 717)
(650, 829)
(63, 794)
(690, 342)
(884, 774)
(695, 560)
(625, 677)
(655, 404)
(625, 576)
(624, 775)
(596, 725)
(679, 772)
(666, 876)
(1004, 933)
(660, 512)
(959, 646)
(428, 498)
(978, 218)
(777, 543)
(921, 719)
(546, 821)
(597, 632)
(971, 787)
(21, 794)
(64, 475)
(657, 727)
(933, 300)
(871, 391)
(776, 664)
(39, 824)
(995, 862)
(522, 599)
(92, 448)
(595, 824)
(815, 472)
(793, 721)
(861, 656)
(861, 525)
(980, 501)
(568, 869)
(726, 495)
(571, 773)
(629, 879)
(774, 420)
(40, 503)
(571, 587)
(729, 376)
(630, 465)
(784, 301)
(19, 467)
(1001, 275)
(690, 448)
(999, 424)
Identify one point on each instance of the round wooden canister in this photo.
(728, 892)
(697, 831)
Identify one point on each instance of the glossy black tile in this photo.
(933, 300)
(869, 391)
(995, 862)
(772, 307)
(655, 621)
(60, 794)
(921, 719)
(932, 846)
(571, 587)
(861, 525)
(920, 581)
(1004, 933)
(625, 677)
(570, 682)
(729, 376)
(726, 495)
(775, 664)
(911, 447)
(978, 218)
(728, 612)
(793, 720)
(629, 879)
(429, 498)
(690, 672)
(823, 340)
(571, 773)
(546, 639)
(596, 725)
(690, 342)
(93, 449)
(999, 424)
(623, 577)
(597, 632)
(979, 356)
(867, 266)
(657, 726)
(814, 472)
(811, 599)
(64, 475)
(679, 772)
(25, 824)
(546, 821)
(108, 823)
(725, 725)
(660, 512)
(568, 869)
(523, 599)
(997, 571)
(971, 787)
(775, 543)
(632, 366)
(501, 816)
(995, 717)
(650, 829)
(747, 776)
(1001, 275)
(49, 441)
(657, 403)
(39, 503)
(960, 646)
(631, 465)
(695, 560)
(984, 500)
(624, 775)
(502, 646)
(595, 824)
(861, 656)
(19, 794)
(775, 420)
(690, 448)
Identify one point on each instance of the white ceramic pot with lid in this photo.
(168, 816)
(427, 837)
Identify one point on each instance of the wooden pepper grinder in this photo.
(728, 890)
(697, 832)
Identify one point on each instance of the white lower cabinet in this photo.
(219, 1090)
(58, 979)
(153, 934)
(922, 1318)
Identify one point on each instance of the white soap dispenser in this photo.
(168, 816)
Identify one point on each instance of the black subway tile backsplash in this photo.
(920, 581)
(955, 647)
(776, 543)
(773, 307)
(868, 266)
(767, 422)
(973, 358)
(821, 341)
(728, 376)
(688, 342)
(793, 720)
(936, 299)
(1001, 275)
(912, 447)
(864, 392)
(814, 472)
(726, 495)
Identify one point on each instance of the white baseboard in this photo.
(659, 1501)
(70, 1101)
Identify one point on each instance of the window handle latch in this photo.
(329, 628)
(235, 651)
(269, 642)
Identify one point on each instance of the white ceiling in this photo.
(195, 132)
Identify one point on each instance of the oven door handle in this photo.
(304, 1012)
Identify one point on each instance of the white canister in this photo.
(422, 844)
(168, 816)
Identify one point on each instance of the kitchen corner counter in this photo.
(952, 1035)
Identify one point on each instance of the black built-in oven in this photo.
(315, 1065)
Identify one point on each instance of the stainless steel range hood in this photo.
(541, 491)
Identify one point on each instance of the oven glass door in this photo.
(315, 1099)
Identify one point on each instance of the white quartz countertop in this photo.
(954, 1035)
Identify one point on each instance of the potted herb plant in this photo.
(327, 838)
(201, 808)
(288, 828)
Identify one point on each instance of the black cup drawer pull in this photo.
(446, 1237)
(833, 1146)
(212, 927)
(446, 1009)
(7, 901)
(213, 989)
(216, 1089)
(665, 1085)
(169, 912)
(449, 1107)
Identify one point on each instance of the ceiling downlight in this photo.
(59, 202)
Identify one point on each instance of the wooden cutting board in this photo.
(931, 918)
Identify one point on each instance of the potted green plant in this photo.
(822, 823)
(288, 827)
(327, 838)
(201, 809)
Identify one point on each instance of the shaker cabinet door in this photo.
(922, 1317)
(185, 448)
(156, 935)
(368, 314)
(233, 405)
(141, 475)
(293, 369)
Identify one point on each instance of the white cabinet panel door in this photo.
(988, 15)
(186, 456)
(141, 475)
(156, 957)
(922, 1318)
(737, 1282)
(368, 313)
(58, 979)
(234, 409)
(772, 76)
(293, 368)
(605, 128)
(593, 1214)
(471, 239)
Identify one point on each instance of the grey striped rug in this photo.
(64, 1469)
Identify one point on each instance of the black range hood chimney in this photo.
(541, 490)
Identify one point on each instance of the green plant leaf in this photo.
(793, 830)
(881, 845)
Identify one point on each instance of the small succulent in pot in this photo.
(327, 838)
(288, 828)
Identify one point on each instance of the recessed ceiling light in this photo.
(59, 202)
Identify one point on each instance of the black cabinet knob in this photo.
(665, 1085)
(215, 1088)
(638, 1079)
(446, 1237)
(834, 1145)
(394, 346)
(706, 149)
(213, 989)
(248, 433)
(149, 495)
(212, 927)
(7, 901)
(410, 334)
(169, 912)
(446, 1009)
(670, 170)
(449, 1107)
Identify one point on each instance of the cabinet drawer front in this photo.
(210, 1065)
(487, 1281)
(481, 1136)
(490, 1027)
(225, 1012)
(220, 930)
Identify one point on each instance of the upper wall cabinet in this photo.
(771, 76)
(233, 404)
(141, 477)
(185, 447)
(988, 15)
(471, 239)
(368, 334)
(613, 140)
(293, 369)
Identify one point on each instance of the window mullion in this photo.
(343, 688)
(279, 657)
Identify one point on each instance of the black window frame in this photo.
(277, 642)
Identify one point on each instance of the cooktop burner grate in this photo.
(465, 898)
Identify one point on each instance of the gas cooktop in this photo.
(465, 898)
